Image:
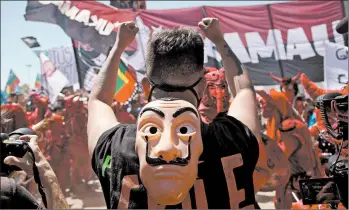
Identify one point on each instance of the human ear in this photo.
(146, 86)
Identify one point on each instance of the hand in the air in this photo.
(211, 29)
(126, 34)
(26, 162)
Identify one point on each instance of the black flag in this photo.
(31, 41)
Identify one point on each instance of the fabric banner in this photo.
(282, 38)
(134, 4)
(64, 60)
(58, 70)
(86, 21)
(336, 66)
(89, 62)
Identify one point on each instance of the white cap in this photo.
(43, 58)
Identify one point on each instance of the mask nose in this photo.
(166, 149)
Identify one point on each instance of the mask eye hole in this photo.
(152, 131)
(184, 131)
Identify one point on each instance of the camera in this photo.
(11, 145)
(334, 189)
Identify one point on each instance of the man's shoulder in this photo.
(228, 126)
(226, 136)
(119, 132)
(116, 145)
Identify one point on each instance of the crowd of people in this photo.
(194, 137)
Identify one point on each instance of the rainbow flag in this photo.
(37, 83)
(125, 83)
(12, 83)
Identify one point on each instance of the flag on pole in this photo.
(3, 98)
(125, 83)
(31, 42)
(12, 83)
(37, 81)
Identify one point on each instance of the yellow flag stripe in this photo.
(122, 76)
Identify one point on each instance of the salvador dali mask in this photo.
(168, 145)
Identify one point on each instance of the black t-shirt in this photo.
(224, 176)
(14, 196)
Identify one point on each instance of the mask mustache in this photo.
(158, 161)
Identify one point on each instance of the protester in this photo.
(228, 138)
(293, 137)
(288, 86)
(272, 169)
(14, 196)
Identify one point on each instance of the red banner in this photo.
(172, 18)
(282, 38)
(307, 15)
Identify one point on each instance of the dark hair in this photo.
(300, 98)
(295, 88)
(175, 57)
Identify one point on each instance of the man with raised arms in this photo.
(170, 158)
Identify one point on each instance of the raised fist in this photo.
(126, 34)
(211, 29)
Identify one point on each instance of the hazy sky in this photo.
(16, 55)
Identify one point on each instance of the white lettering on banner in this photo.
(104, 27)
(58, 3)
(83, 16)
(256, 45)
(101, 24)
(235, 43)
(45, 2)
(298, 44)
(107, 30)
(65, 7)
(72, 12)
(320, 36)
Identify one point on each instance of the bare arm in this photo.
(237, 78)
(100, 114)
(231, 63)
(244, 105)
(54, 196)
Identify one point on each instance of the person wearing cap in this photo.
(16, 197)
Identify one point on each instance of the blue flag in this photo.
(3, 98)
